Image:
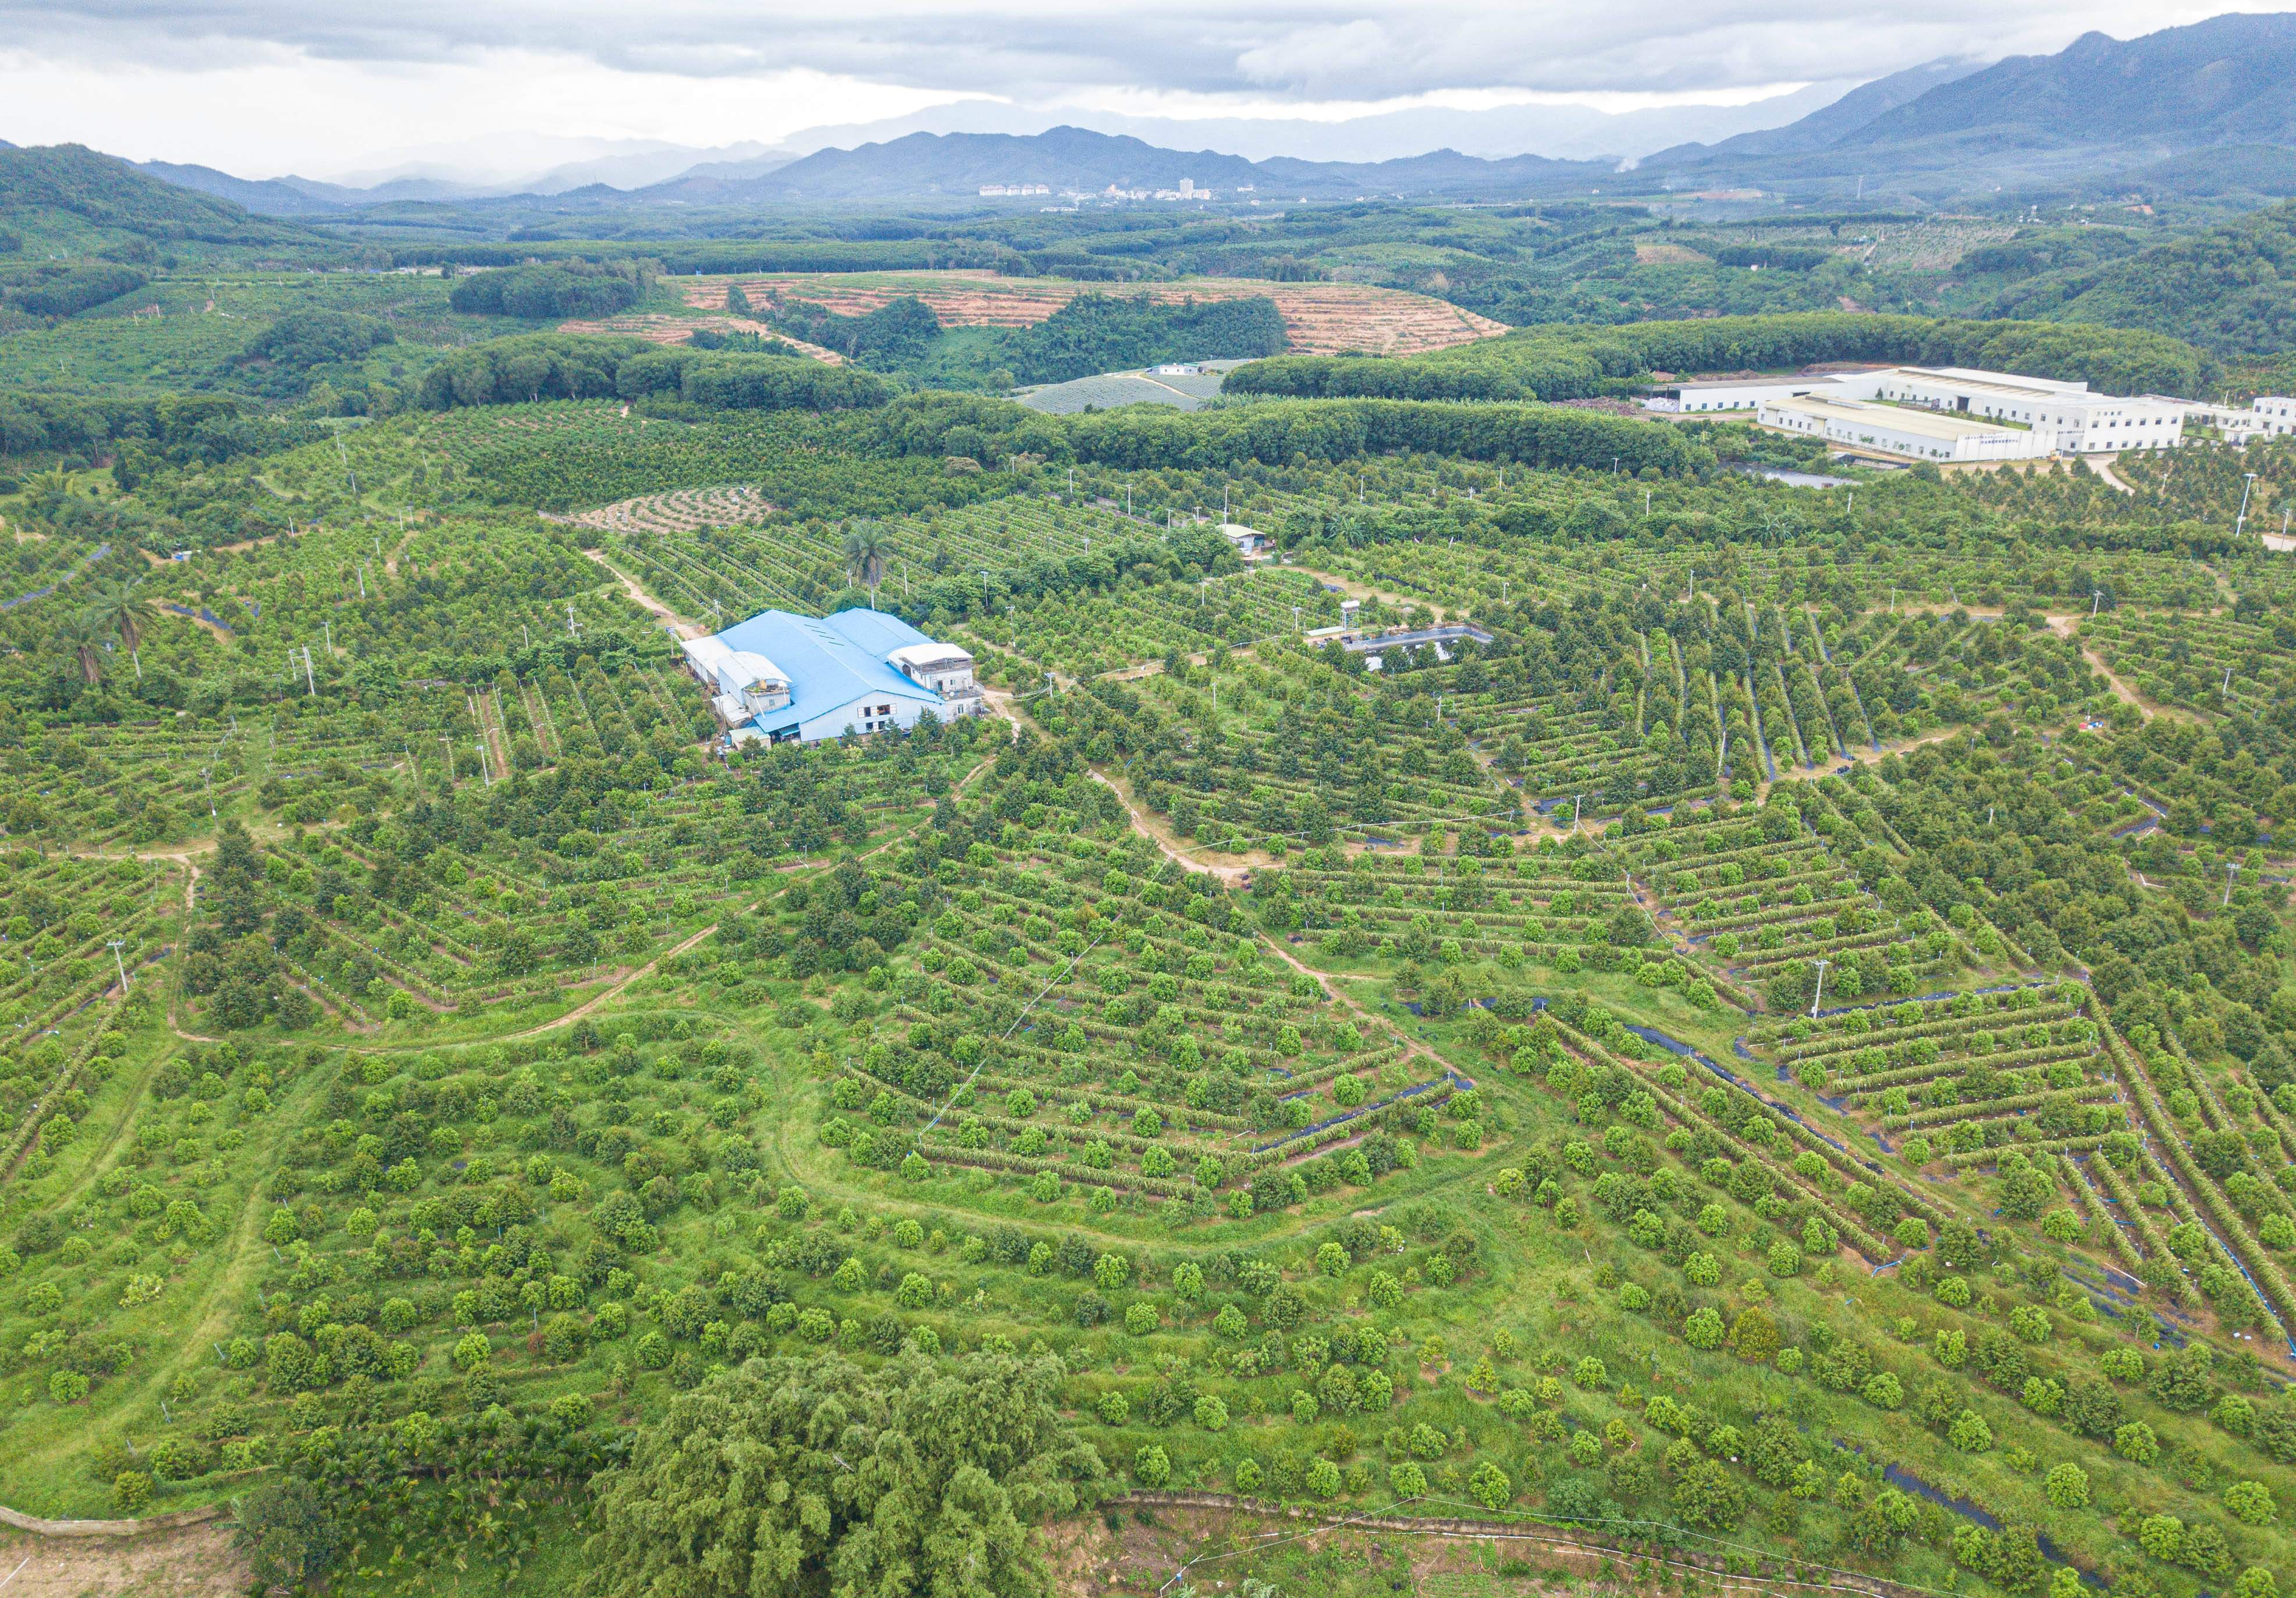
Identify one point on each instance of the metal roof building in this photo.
(778, 676)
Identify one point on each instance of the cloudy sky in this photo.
(321, 87)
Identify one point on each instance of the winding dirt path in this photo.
(2064, 627)
(646, 601)
(1170, 851)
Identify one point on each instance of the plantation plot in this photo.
(681, 512)
(1769, 892)
(502, 892)
(2199, 662)
(1320, 318)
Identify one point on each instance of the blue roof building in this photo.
(777, 677)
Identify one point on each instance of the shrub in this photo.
(2251, 1504)
(1151, 1466)
(2136, 1442)
(1970, 1433)
(2067, 1487)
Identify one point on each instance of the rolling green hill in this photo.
(2232, 289)
(71, 198)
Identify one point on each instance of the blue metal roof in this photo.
(832, 660)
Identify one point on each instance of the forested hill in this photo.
(2231, 290)
(73, 196)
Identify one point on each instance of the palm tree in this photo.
(867, 546)
(85, 634)
(116, 609)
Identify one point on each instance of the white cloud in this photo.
(288, 111)
(1181, 106)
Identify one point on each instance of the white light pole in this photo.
(2241, 520)
(1819, 989)
(2231, 870)
(2095, 598)
(116, 961)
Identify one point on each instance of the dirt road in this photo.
(647, 601)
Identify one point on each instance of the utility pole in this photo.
(116, 961)
(310, 686)
(2095, 598)
(2241, 520)
(1819, 989)
(484, 770)
(2231, 870)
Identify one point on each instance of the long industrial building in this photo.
(2004, 417)
(777, 678)
(1924, 435)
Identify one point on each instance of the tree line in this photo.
(1572, 363)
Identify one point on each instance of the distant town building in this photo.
(992, 190)
(777, 678)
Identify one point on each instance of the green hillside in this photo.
(65, 199)
(2231, 290)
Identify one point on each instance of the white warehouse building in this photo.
(2274, 414)
(2046, 415)
(2062, 417)
(778, 677)
(1896, 429)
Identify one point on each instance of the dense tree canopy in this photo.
(809, 1476)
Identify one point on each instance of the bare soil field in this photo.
(661, 329)
(1323, 319)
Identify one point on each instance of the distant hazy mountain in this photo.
(1559, 132)
(2228, 78)
(1831, 123)
(2100, 109)
(1067, 159)
(269, 197)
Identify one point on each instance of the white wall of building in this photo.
(1891, 431)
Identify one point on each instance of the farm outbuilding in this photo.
(777, 678)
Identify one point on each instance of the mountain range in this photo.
(2206, 107)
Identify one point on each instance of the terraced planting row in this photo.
(503, 893)
(2211, 662)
